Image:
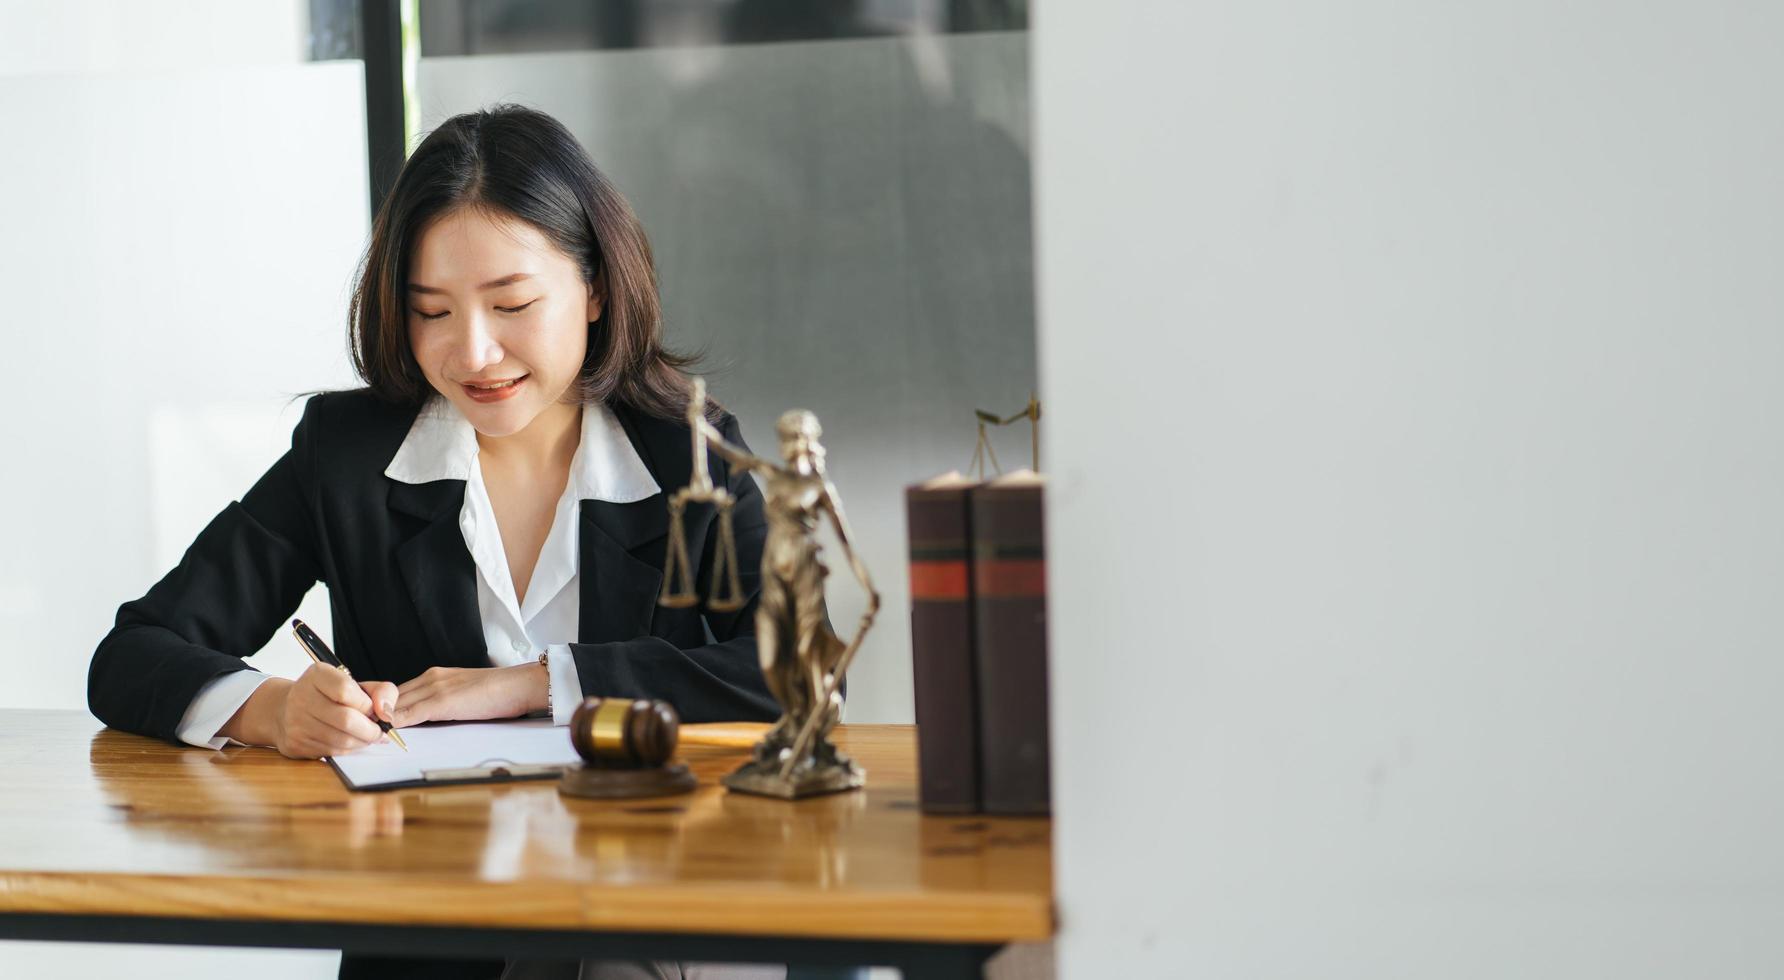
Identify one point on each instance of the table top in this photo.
(102, 822)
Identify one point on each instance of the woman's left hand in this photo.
(470, 694)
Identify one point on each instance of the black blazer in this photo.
(403, 589)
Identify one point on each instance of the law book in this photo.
(1009, 578)
(938, 531)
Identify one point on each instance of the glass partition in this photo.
(838, 198)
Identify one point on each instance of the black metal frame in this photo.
(944, 961)
(381, 45)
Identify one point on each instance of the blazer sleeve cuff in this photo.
(216, 702)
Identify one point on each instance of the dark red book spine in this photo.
(1009, 572)
(941, 648)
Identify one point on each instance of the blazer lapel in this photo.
(621, 553)
(439, 573)
(619, 548)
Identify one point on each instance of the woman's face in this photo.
(492, 300)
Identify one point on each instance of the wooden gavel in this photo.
(626, 746)
(624, 733)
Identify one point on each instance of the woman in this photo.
(487, 512)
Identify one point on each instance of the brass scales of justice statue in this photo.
(803, 660)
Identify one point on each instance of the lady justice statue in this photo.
(803, 659)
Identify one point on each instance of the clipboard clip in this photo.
(495, 769)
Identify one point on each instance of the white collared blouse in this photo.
(442, 445)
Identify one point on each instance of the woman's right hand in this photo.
(326, 712)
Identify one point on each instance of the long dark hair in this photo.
(517, 162)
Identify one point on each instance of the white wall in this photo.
(177, 270)
(182, 202)
(1416, 526)
(53, 37)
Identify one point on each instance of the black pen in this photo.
(319, 652)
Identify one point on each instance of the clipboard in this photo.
(459, 753)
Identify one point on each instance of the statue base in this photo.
(766, 780)
(824, 770)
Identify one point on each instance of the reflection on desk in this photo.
(113, 823)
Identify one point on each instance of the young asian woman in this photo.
(496, 491)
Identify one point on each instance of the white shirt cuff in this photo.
(215, 704)
(566, 685)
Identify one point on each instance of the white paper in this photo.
(458, 745)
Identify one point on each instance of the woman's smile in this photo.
(494, 391)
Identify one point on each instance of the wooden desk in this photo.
(107, 836)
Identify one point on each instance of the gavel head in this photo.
(623, 733)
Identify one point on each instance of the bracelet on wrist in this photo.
(543, 662)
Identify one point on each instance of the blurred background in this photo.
(837, 194)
